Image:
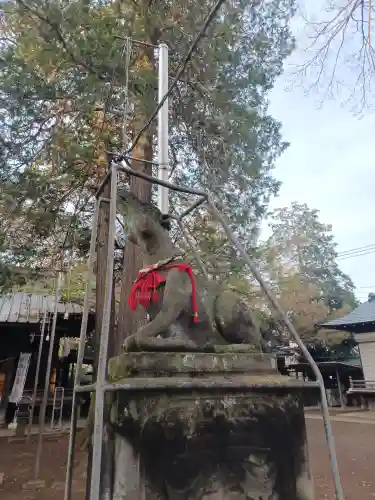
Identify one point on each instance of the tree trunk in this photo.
(128, 321)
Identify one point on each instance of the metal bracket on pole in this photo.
(163, 173)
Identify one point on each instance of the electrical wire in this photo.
(176, 79)
(125, 113)
(369, 23)
(111, 86)
(355, 250)
(359, 254)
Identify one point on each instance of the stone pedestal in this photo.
(221, 425)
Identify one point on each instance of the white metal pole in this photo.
(163, 174)
(42, 415)
(36, 381)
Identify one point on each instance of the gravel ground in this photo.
(355, 444)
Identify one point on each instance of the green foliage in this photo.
(61, 96)
(299, 260)
(32, 281)
(306, 245)
(215, 250)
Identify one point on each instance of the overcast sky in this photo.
(330, 166)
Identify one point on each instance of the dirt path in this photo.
(355, 447)
(17, 462)
(355, 444)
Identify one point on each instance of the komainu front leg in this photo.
(177, 297)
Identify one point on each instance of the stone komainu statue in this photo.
(185, 310)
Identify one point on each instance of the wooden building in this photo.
(21, 319)
(361, 324)
(337, 372)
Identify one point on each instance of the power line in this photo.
(366, 247)
(177, 78)
(358, 254)
(111, 87)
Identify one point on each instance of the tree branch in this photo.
(340, 56)
(64, 44)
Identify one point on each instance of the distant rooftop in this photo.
(360, 320)
(23, 307)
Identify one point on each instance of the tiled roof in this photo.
(23, 307)
(364, 313)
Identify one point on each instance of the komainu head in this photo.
(144, 221)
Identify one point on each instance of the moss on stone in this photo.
(160, 364)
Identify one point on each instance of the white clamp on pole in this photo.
(163, 172)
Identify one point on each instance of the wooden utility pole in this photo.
(128, 321)
(101, 267)
(101, 259)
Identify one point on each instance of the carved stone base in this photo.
(208, 426)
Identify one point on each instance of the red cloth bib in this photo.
(144, 289)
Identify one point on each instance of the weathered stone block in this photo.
(208, 426)
(240, 359)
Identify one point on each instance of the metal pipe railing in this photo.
(100, 387)
(362, 384)
(103, 348)
(80, 355)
